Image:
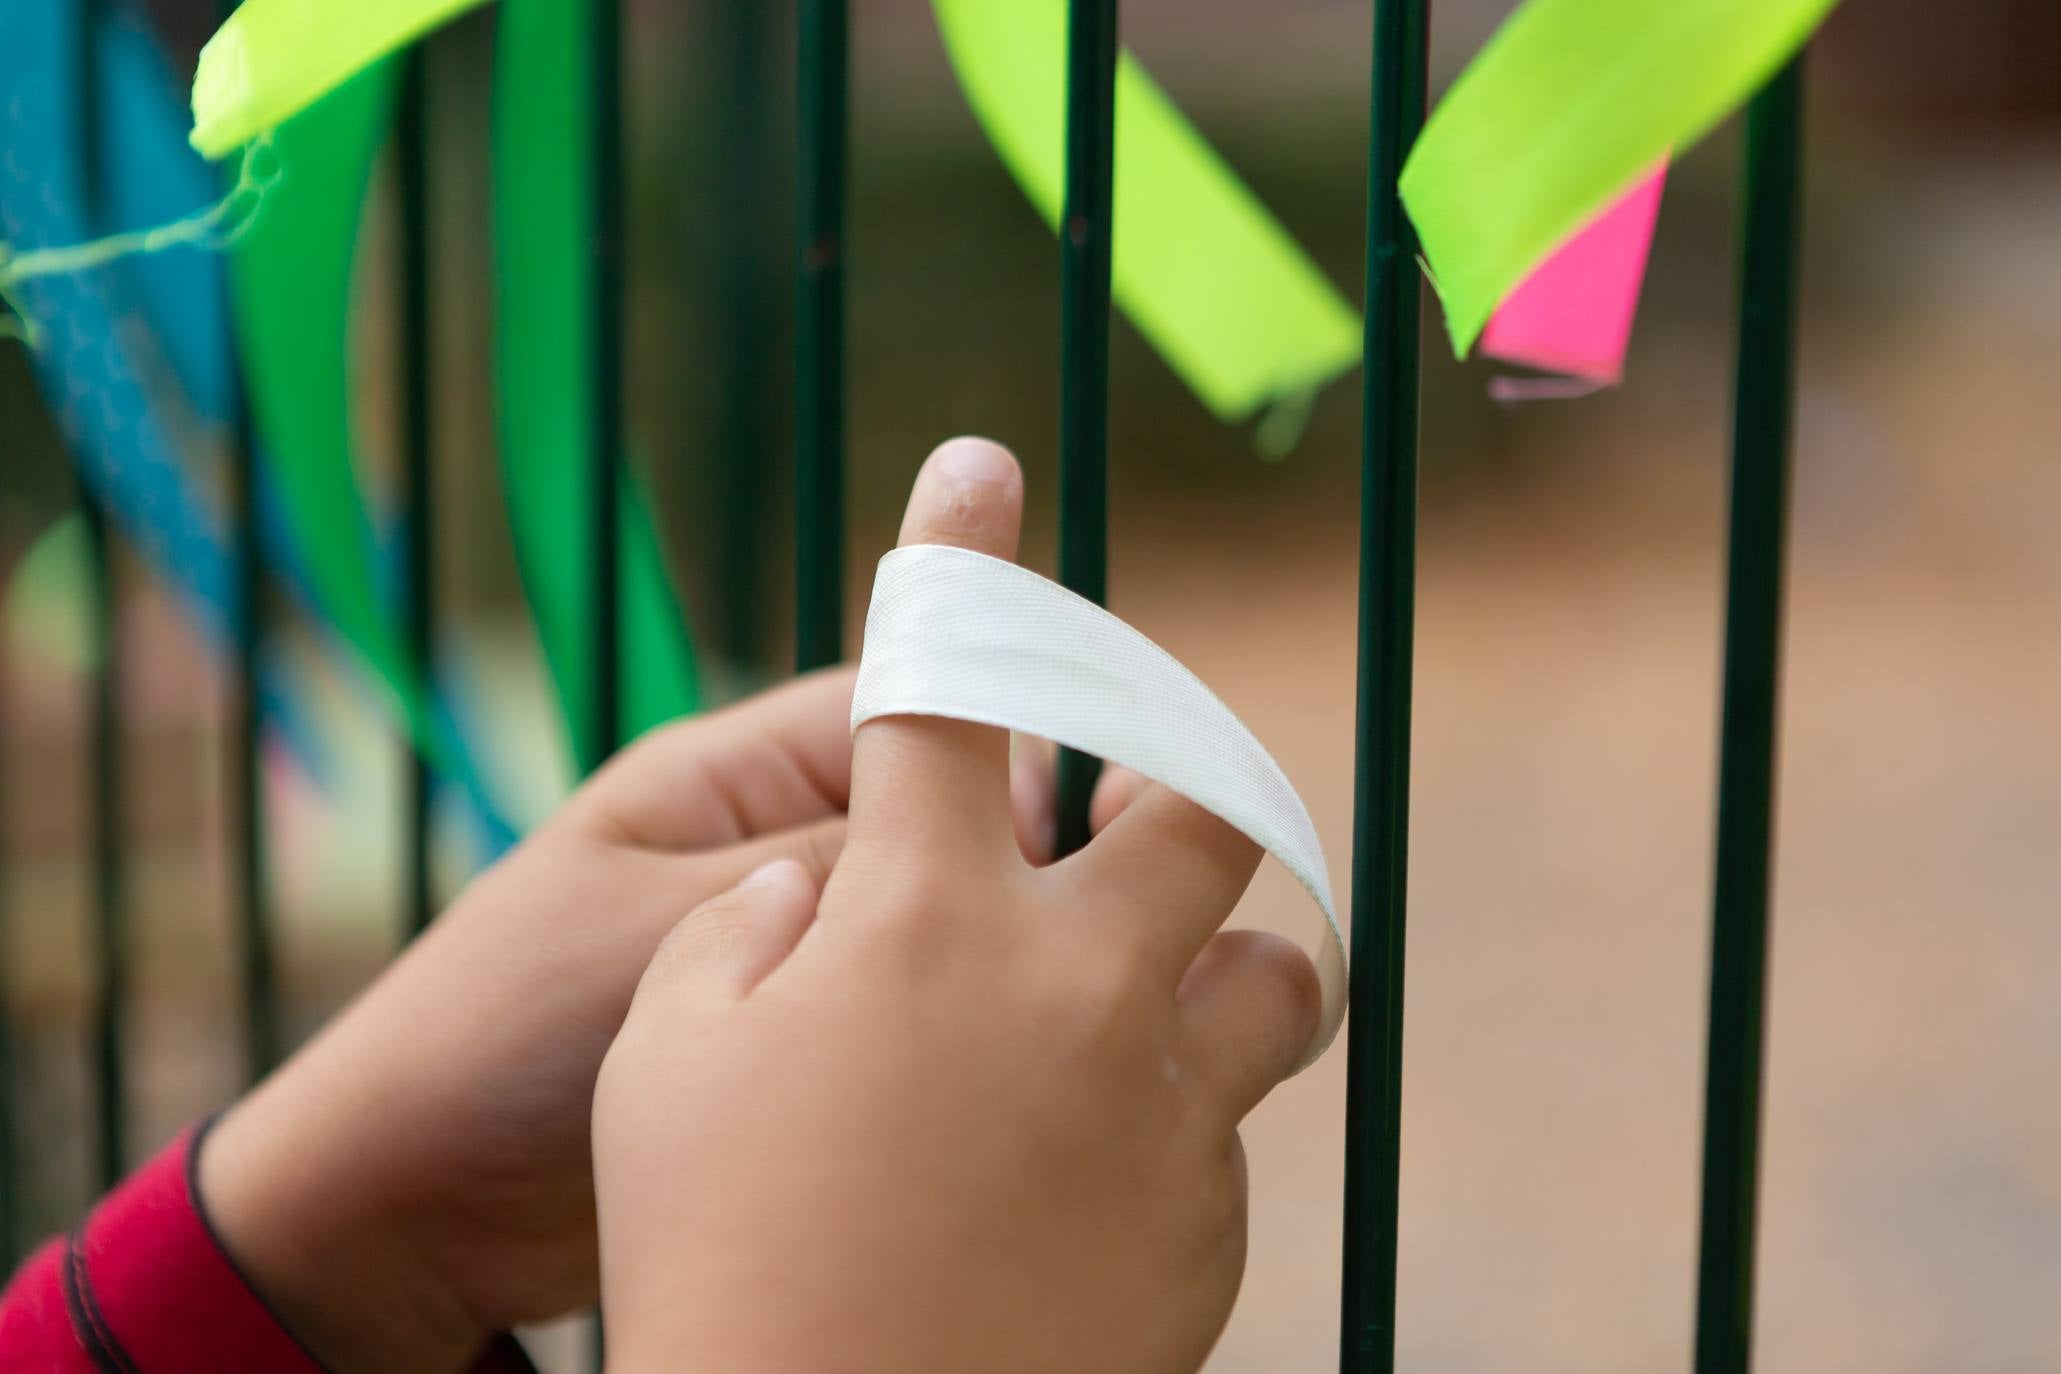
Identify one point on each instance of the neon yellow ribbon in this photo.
(273, 58)
(1206, 273)
(1569, 103)
(1210, 278)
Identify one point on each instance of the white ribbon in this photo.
(959, 634)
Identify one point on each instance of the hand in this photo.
(946, 1111)
(419, 1176)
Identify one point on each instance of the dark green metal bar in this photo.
(1381, 777)
(256, 966)
(743, 299)
(1762, 410)
(819, 337)
(604, 456)
(261, 1034)
(411, 136)
(104, 852)
(1085, 244)
(110, 926)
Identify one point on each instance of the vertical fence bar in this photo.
(1085, 245)
(1381, 774)
(605, 246)
(741, 299)
(253, 915)
(819, 337)
(110, 963)
(246, 760)
(606, 366)
(412, 136)
(1763, 405)
(104, 850)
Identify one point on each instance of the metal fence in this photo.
(1770, 194)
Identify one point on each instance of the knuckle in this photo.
(918, 889)
(1284, 975)
(923, 920)
(1277, 997)
(1288, 973)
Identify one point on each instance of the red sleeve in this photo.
(143, 1287)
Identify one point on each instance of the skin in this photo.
(419, 1175)
(946, 1110)
(998, 1066)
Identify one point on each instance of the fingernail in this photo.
(975, 460)
(778, 873)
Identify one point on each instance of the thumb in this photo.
(729, 944)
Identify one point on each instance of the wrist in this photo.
(307, 1225)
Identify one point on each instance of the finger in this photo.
(921, 779)
(815, 847)
(643, 893)
(779, 759)
(729, 944)
(1250, 1003)
(1170, 872)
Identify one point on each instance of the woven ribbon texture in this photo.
(960, 634)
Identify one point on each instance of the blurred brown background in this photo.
(1566, 666)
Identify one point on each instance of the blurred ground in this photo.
(1565, 739)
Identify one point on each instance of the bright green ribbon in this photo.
(544, 287)
(1209, 277)
(1569, 103)
(291, 273)
(293, 286)
(291, 70)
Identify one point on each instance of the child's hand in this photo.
(420, 1175)
(955, 1112)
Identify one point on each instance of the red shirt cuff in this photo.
(144, 1287)
(157, 1292)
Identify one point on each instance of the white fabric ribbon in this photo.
(959, 634)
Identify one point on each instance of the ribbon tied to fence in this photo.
(960, 634)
